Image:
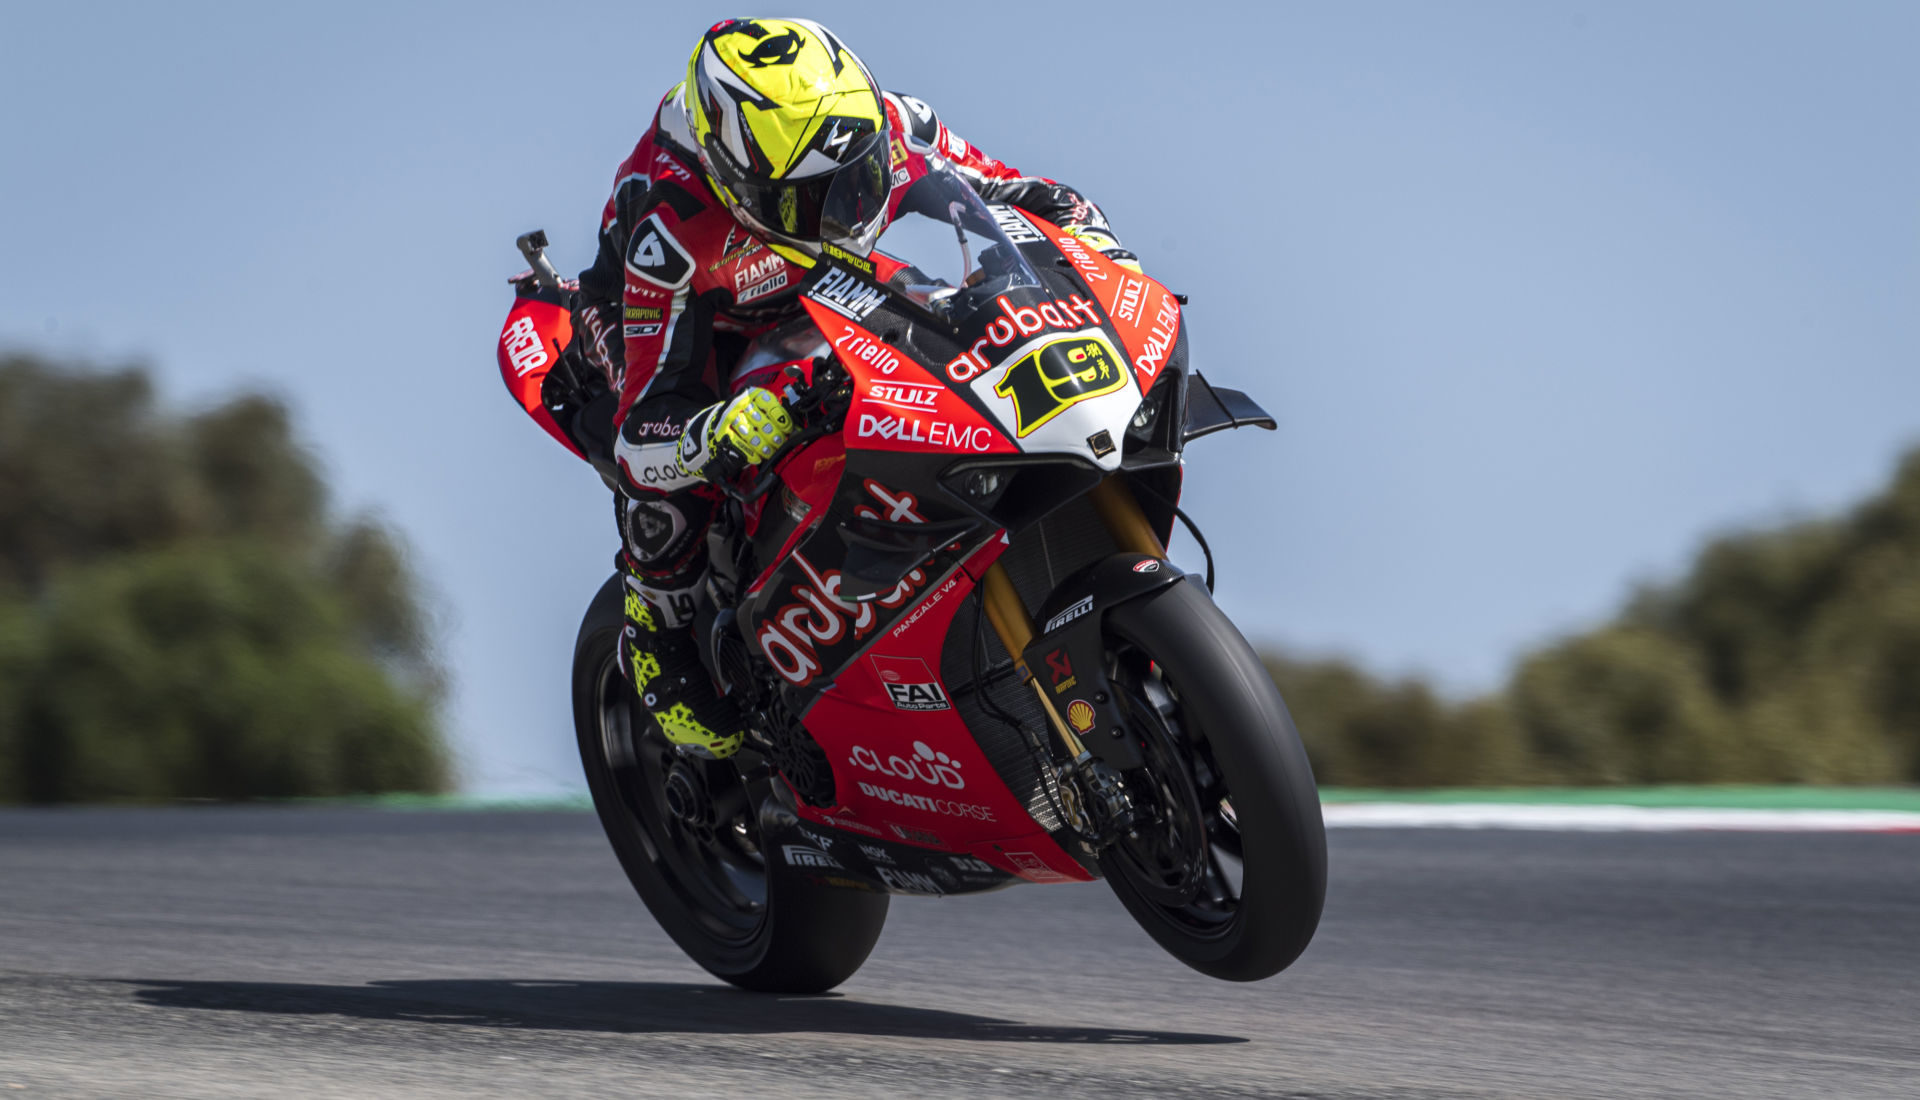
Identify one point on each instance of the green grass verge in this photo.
(1707, 797)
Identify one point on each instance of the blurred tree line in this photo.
(1784, 656)
(181, 616)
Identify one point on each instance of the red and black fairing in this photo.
(537, 332)
(868, 612)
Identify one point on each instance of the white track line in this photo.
(1494, 815)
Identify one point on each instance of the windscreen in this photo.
(960, 251)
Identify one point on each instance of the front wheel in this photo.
(1226, 866)
(704, 872)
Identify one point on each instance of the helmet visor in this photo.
(846, 204)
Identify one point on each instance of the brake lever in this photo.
(809, 402)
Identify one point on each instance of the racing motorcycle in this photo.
(946, 608)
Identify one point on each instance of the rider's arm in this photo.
(996, 182)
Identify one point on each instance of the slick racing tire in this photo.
(750, 920)
(1227, 868)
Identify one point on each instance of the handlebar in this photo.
(818, 406)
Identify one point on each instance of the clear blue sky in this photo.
(1542, 294)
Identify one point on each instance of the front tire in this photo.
(745, 918)
(1231, 875)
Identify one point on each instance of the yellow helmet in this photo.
(791, 130)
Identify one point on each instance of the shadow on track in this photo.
(629, 1007)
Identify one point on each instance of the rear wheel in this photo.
(1227, 864)
(687, 832)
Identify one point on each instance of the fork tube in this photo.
(1008, 614)
(1125, 521)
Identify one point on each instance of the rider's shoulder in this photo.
(914, 118)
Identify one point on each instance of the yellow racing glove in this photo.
(721, 440)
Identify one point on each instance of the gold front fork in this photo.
(1130, 530)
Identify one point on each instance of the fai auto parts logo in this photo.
(1058, 375)
(910, 684)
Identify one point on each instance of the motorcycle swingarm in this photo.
(1068, 655)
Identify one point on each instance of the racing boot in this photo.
(663, 664)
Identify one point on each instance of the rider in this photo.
(777, 142)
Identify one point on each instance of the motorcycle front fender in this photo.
(1068, 654)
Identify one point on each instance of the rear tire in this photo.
(747, 919)
(1228, 752)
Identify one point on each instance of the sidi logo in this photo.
(522, 342)
(1015, 322)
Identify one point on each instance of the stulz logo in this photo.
(1018, 229)
(911, 396)
(799, 855)
(1078, 608)
(1015, 322)
(921, 802)
(843, 293)
(1166, 322)
(522, 342)
(934, 433)
(793, 636)
(936, 769)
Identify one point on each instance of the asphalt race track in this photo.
(283, 952)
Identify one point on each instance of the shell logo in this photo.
(1080, 716)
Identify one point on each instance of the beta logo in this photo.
(522, 342)
(1057, 376)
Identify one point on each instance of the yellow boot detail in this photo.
(682, 728)
(645, 667)
(638, 613)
